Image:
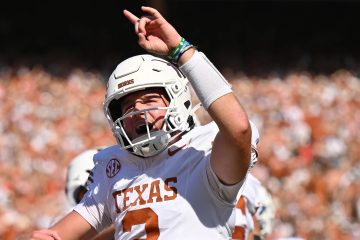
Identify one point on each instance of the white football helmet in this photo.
(265, 211)
(77, 175)
(139, 73)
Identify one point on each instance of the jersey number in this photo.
(143, 216)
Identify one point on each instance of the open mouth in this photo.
(141, 128)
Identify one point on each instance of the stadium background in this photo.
(295, 65)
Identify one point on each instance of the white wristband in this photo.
(207, 81)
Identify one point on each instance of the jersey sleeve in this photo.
(93, 205)
(227, 193)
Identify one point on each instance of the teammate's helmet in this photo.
(255, 138)
(77, 174)
(144, 72)
(265, 212)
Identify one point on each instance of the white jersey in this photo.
(245, 208)
(173, 195)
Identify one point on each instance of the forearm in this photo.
(73, 226)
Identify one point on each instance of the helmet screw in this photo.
(178, 119)
(175, 88)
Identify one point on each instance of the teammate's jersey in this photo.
(245, 208)
(173, 195)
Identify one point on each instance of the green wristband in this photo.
(176, 50)
(180, 49)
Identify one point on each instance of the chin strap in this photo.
(194, 109)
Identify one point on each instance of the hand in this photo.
(155, 34)
(45, 234)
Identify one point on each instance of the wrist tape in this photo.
(207, 81)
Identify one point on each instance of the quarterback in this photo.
(166, 178)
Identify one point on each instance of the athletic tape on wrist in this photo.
(207, 81)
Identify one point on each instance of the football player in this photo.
(168, 179)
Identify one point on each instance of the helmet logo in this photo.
(125, 83)
(113, 167)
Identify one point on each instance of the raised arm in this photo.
(230, 157)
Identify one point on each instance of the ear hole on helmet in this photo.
(187, 104)
(191, 121)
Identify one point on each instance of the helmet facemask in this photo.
(152, 141)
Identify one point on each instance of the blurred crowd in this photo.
(309, 146)
(45, 122)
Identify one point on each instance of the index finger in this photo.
(131, 17)
(152, 11)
